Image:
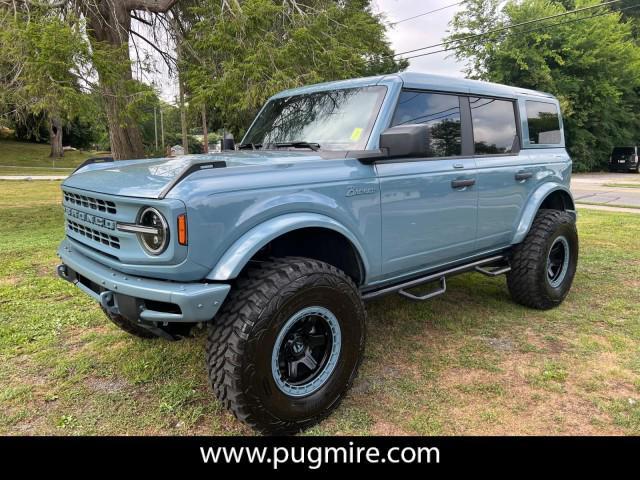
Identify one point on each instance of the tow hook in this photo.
(63, 272)
(108, 302)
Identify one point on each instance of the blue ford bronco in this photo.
(338, 193)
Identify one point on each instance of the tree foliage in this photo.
(40, 61)
(238, 53)
(592, 65)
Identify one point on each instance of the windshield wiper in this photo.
(312, 145)
(252, 146)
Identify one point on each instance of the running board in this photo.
(493, 272)
(401, 288)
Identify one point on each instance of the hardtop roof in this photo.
(422, 81)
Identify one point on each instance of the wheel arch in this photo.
(307, 234)
(553, 196)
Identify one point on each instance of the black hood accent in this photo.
(188, 170)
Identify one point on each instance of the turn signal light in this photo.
(182, 229)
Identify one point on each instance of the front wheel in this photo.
(544, 264)
(287, 344)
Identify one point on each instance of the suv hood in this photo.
(150, 178)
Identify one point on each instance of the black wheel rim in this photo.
(306, 351)
(558, 261)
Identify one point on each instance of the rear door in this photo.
(508, 175)
(429, 204)
(505, 177)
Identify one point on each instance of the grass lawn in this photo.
(623, 185)
(469, 362)
(23, 154)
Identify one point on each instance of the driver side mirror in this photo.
(406, 140)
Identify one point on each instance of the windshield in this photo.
(332, 120)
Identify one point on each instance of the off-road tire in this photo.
(527, 281)
(128, 326)
(241, 339)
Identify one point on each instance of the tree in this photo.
(39, 61)
(591, 64)
(109, 29)
(238, 53)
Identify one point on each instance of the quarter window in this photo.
(440, 112)
(494, 126)
(544, 123)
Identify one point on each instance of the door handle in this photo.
(463, 183)
(522, 176)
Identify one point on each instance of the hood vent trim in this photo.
(188, 170)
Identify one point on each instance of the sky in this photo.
(408, 35)
(419, 32)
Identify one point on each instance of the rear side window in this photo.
(440, 112)
(494, 126)
(544, 123)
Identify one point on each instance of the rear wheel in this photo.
(544, 264)
(287, 344)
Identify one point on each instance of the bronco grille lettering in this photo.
(90, 218)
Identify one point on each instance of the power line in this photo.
(527, 31)
(425, 13)
(507, 27)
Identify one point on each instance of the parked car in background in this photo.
(338, 193)
(624, 159)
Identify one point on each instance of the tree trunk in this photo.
(55, 137)
(109, 23)
(205, 130)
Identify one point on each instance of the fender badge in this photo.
(353, 191)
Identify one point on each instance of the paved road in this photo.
(606, 189)
(33, 177)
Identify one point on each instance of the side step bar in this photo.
(401, 288)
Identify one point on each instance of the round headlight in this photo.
(156, 242)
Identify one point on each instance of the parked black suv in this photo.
(624, 159)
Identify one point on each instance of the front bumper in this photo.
(145, 299)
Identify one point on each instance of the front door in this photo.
(428, 205)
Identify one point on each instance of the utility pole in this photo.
(155, 124)
(162, 130)
(205, 131)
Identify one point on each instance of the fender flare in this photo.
(533, 205)
(244, 248)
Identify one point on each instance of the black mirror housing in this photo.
(406, 140)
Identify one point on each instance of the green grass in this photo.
(469, 362)
(623, 185)
(23, 156)
(616, 205)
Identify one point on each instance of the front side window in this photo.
(544, 123)
(335, 119)
(494, 126)
(440, 112)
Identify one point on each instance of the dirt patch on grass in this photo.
(107, 385)
(9, 281)
(387, 429)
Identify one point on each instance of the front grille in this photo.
(94, 235)
(90, 202)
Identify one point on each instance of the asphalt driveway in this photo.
(607, 189)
